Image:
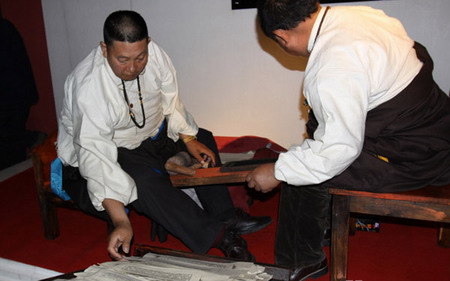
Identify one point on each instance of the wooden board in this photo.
(430, 194)
(209, 176)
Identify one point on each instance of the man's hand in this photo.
(263, 178)
(120, 237)
(200, 152)
(122, 234)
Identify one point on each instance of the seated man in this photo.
(378, 121)
(121, 120)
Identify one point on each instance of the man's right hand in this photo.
(120, 239)
(262, 178)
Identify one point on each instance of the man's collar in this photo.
(116, 80)
(316, 28)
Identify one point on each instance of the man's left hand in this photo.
(263, 178)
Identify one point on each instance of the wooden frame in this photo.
(430, 204)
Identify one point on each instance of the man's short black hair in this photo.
(124, 26)
(284, 14)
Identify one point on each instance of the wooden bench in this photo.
(45, 153)
(42, 156)
(429, 204)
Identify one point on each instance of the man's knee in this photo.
(207, 138)
(204, 134)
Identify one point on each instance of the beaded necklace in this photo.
(133, 118)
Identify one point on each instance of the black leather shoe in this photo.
(311, 271)
(243, 223)
(233, 246)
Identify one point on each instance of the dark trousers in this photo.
(158, 199)
(411, 130)
(302, 220)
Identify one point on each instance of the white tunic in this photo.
(361, 59)
(95, 121)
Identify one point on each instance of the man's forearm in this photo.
(116, 211)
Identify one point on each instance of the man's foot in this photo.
(311, 271)
(233, 246)
(243, 223)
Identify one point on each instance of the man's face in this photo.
(127, 60)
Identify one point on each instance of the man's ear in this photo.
(104, 49)
(281, 36)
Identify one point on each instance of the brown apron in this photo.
(412, 131)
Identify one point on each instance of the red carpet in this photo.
(398, 252)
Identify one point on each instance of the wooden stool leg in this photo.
(49, 217)
(444, 236)
(159, 232)
(339, 237)
(352, 226)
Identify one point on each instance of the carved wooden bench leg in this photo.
(352, 226)
(157, 231)
(444, 236)
(49, 217)
(339, 237)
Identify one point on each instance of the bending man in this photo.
(378, 121)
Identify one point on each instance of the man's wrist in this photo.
(187, 139)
